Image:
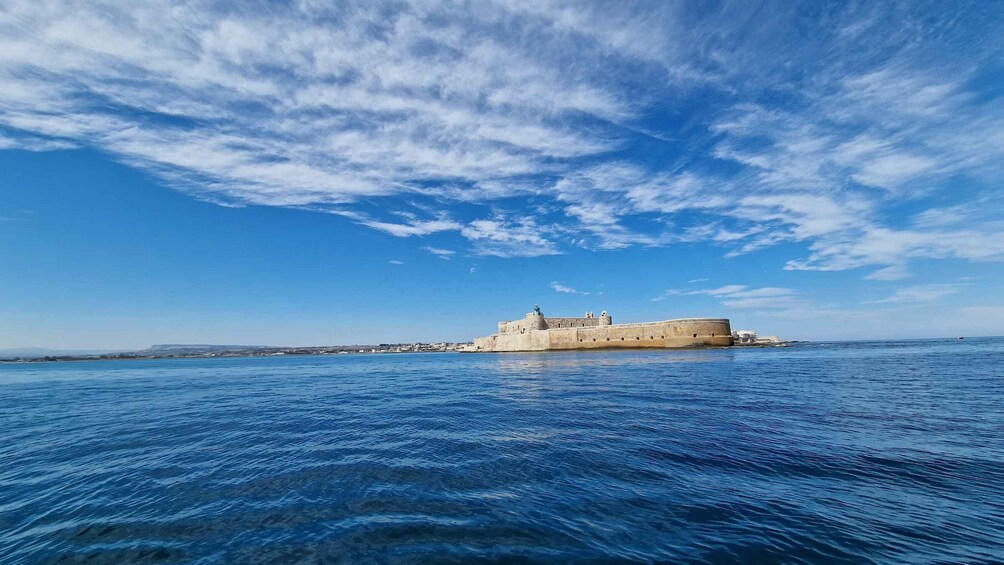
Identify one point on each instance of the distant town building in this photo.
(750, 337)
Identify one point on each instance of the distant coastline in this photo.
(438, 347)
(182, 351)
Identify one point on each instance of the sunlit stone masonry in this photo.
(536, 332)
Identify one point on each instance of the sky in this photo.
(308, 173)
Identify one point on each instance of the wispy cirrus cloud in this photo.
(500, 238)
(890, 273)
(530, 129)
(440, 252)
(20, 215)
(740, 296)
(417, 227)
(564, 289)
(922, 293)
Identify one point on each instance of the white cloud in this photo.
(741, 296)
(765, 292)
(891, 170)
(17, 215)
(767, 297)
(504, 239)
(884, 246)
(922, 293)
(370, 109)
(558, 287)
(439, 252)
(414, 227)
(812, 168)
(395, 262)
(762, 302)
(890, 273)
(32, 143)
(720, 291)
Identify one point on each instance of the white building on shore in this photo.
(750, 337)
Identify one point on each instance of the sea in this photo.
(855, 452)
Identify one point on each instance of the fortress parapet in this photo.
(536, 332)
(536, 321)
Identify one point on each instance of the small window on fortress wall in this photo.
(695, 335)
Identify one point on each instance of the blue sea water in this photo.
(853, 452)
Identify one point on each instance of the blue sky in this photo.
(320, 173)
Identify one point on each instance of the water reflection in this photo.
(550, 360)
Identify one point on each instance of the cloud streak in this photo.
(446, 254)
(564, 289)
(921, 293)
(741, 296)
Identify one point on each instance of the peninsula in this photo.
(535, 332)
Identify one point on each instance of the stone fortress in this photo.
(535, 332)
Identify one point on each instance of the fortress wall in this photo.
(531, 322)
(512, 326)
(693, 332)
(485, 343)
(530, 341)
(551, 323)
(672, 333)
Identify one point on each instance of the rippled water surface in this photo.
(870, 451)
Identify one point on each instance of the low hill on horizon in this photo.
(32, 352)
